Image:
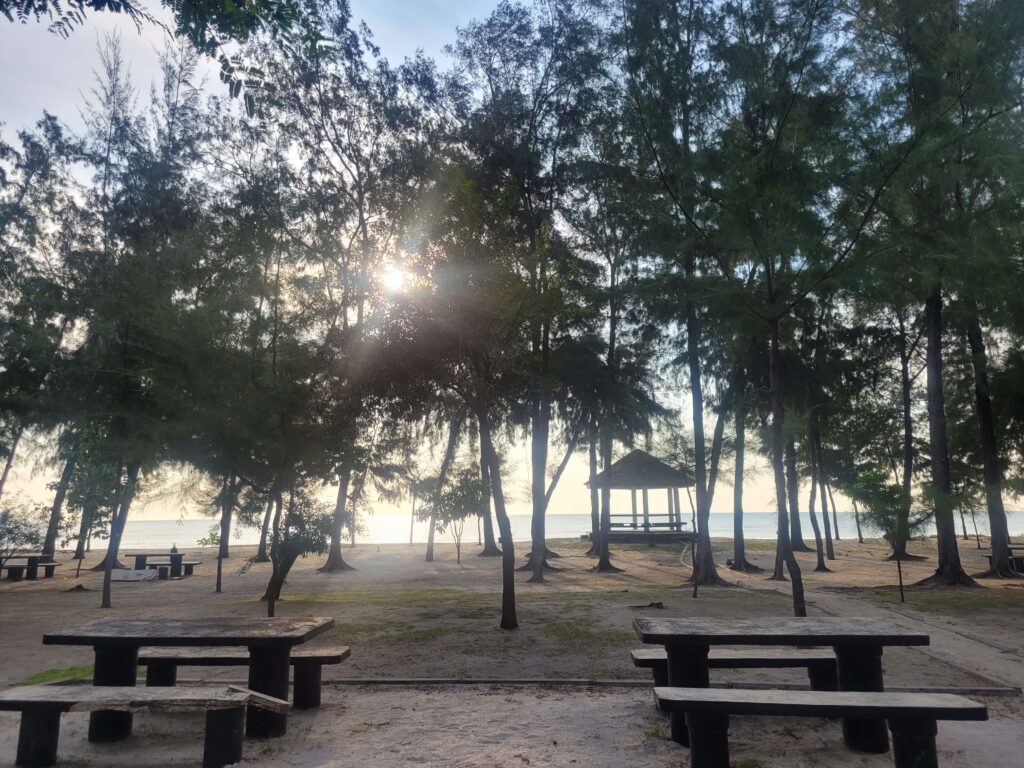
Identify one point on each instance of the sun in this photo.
(393, 278)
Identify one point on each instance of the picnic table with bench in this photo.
(173, 561)
(1016, 554)
(116, 643)
(857, 642)
(162, 666)
(42, 705)
(27, 566)
(912, 717)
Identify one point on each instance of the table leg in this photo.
(32, 571)
(860, 669)
(176, 559)
(140, 562)
(687, 668)
(268, 673)
(115, 665)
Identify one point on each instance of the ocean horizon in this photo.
(395, 529)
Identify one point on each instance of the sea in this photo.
(397, 529)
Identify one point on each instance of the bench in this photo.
(912, 717)
(162, 666)
(1016, 558)
(28, 566)
(819, 662)
(174, 567)
(42, 705)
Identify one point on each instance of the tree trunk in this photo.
(949, 570)
(856, 520)
(1002, 565)
(273, 591)
(739, 549)
(835, 515)
(595, 501)
(88, 516)
(778, 447)
(442, 476)
(796, 535)
(119, 517)
(818, 547)
(830, 551)
(538, 484)
(902, 531)
(10, 459)
(508, 555)
(261, 551)
(335, 561)
(226, 513)
(490, 546)
(53, 527)
(704, 571)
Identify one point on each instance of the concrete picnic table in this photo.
(175, 559)
(858, 644)
(31, 567)
(116, 643)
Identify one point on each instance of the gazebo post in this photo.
(647, 513)
(632, 492)
(671, 511)
(679, 509)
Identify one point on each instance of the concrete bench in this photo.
(42, 705)
(819, 662)
(28, 566)
(162, 666)
(174, 568)
(912, 717)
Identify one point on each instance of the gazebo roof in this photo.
(638, 469)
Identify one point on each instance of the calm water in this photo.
(394, 529)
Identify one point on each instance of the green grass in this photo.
(63, 673)
(580, 634)
(401, 597)
(950, 601)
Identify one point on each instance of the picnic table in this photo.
(858, 644)
(116, 643)
(30, 565)
(175, 559)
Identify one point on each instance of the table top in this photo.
(248, 631)
(827, 630)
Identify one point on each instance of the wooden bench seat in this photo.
(42, 705)
(162, 666)
(912, 716)
(819, 662)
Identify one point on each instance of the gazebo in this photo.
(640, 471)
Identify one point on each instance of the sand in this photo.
(407, 619)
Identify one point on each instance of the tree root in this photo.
(958, 578)
(609, 568)
(745, 567)
(905, 557)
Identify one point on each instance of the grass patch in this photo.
(63, 673)
(951, 601)
(578, 635)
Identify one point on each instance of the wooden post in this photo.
(633, 494)
(647, 513)
(679, 509)
(671, 511)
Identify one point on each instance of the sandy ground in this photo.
(409, 619)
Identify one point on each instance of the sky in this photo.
(42, 71)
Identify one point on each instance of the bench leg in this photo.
(268, 673)
(48, 572)
(162, 572)
(860, 669)
(307, 684)
(189, 569)
(223, 743)
(709, 740)
(823, 676)
(161, 673)
(687, 668)
(32, 573)
(660, 672)
(37, 739)
(15, 573)
(114, 666)
(913, 743)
